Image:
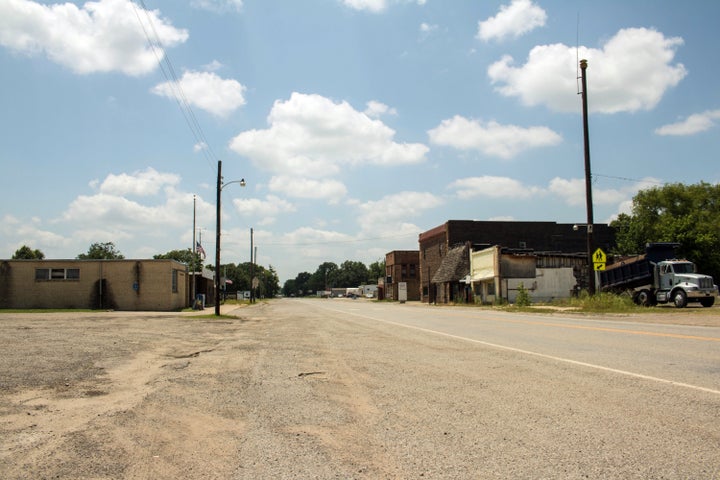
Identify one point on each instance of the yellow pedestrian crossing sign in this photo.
(599, 258)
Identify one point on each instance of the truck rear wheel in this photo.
(644, 298)
(707, 302)
(679, 298)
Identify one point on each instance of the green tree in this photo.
(27, 253)
(376, 270)
(240, 275)
(290, 288)
(687, 214)
(269, 283)
(102, 251)
(351, 274)
(324, 277)
(185, 256)
(301, 287)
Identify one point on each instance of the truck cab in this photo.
(679, 283)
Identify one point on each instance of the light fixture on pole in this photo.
(220, 186)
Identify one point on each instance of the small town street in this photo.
(340, 389)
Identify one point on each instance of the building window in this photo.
(412, 270)
(57, 274)
(175, 281)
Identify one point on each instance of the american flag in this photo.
(200, 250)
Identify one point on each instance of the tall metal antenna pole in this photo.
(588, 181)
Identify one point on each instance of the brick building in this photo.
(151, 285)
(402, 266)
(530, 236)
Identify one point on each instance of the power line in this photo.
(168, 71)
(626, 179)
(333, 242)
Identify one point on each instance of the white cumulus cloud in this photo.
(572, 191)
(207, 91)
(492, 187)
(218, 6)
(270, 206)
(631, 72)
(374, 6)
(141, 183)
(377, 109)
(300, 187)
(390, 214)
(693, 124)
(313, 136)
(102, 36)
(491, 138)
(514, 20)
(158, 204)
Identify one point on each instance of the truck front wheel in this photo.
(707, 302)
(679, 298)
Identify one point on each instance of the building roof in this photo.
(454, 266)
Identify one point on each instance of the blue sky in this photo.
(357, 124)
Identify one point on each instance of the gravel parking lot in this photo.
(285, 392)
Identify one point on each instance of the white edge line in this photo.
(541, 355)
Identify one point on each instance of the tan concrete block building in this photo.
(147, 285)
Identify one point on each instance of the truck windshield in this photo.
(684, 268)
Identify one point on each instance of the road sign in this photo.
(599, 258)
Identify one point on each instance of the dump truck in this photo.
(659, 277)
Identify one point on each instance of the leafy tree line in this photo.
(329, 275)
(97, 251)
(687, 214)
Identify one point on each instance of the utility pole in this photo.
(588, 181)
(194, 258)
(252, 268)
(217, 240)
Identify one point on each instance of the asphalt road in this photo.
(470, 393)
(681, 355)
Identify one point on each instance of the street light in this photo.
(220, 186)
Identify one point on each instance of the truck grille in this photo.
(706, 283)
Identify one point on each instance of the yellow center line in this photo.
(614, 330)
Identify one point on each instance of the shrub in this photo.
(523, 297)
